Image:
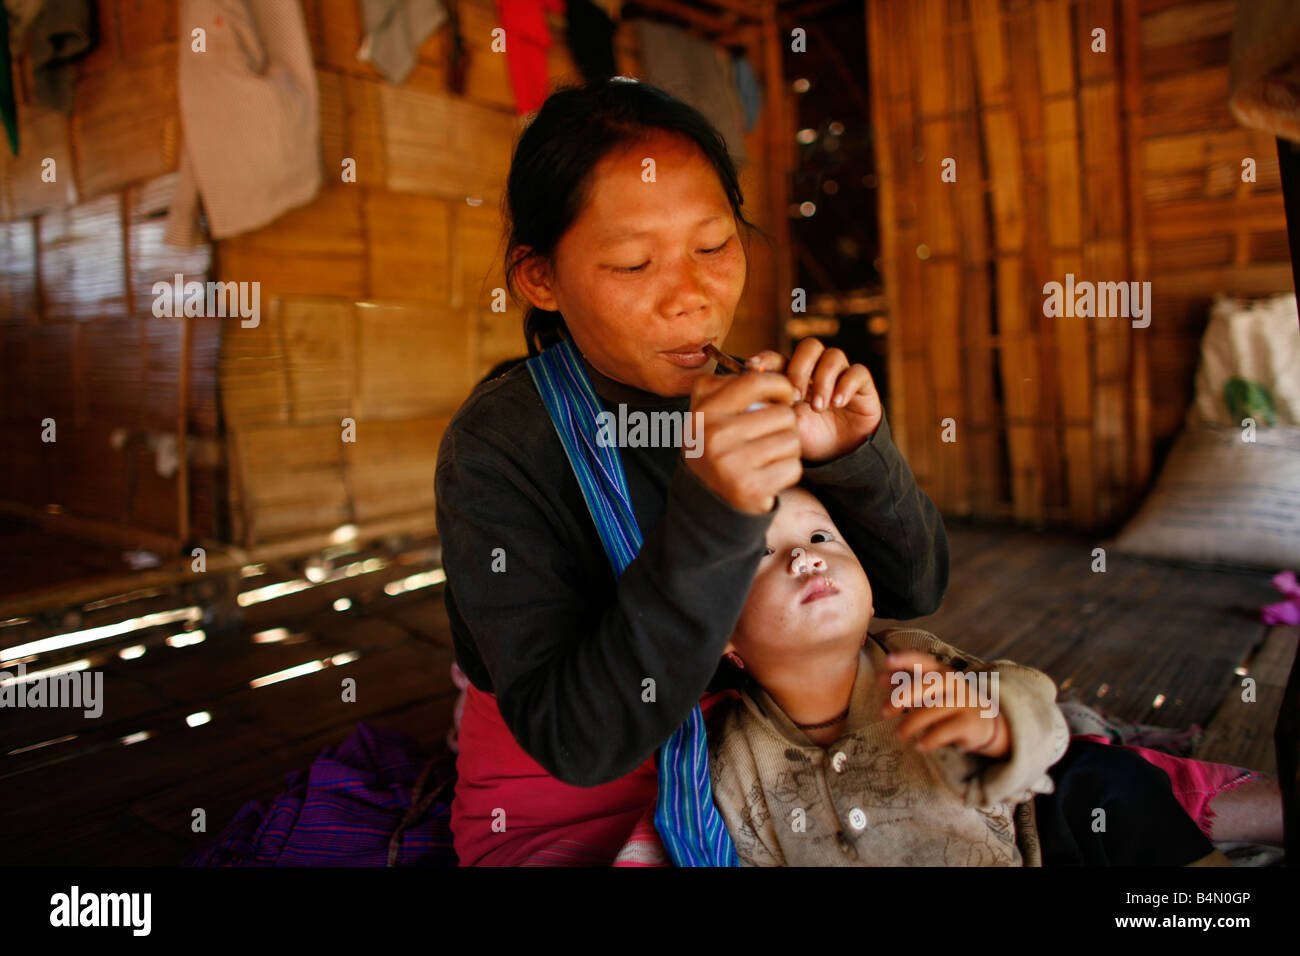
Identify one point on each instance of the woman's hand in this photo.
(934, 727)
(748, 457)
(837, 407)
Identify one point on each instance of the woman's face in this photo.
(649, 271)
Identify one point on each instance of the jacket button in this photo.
(837, 762)
(845, 846)
(857, 818)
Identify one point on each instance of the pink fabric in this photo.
(1195, 782)
(644, 847)
(546, 822)
(1285, 612)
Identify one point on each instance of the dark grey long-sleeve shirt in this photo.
(543, 623)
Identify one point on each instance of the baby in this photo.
(896, 749)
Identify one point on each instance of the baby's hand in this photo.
(937, 726)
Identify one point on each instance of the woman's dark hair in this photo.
(550, 173)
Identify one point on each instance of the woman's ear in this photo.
(533, 276)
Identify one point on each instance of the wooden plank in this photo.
(390, 469)
(1196, 150)
(1095, 66)
(1187, 103)
(42, 134)
(292, 477)
(316, 341)
(1140, 389)
(1195, 218)
(315, 249)
(1018, 364)
(414, 361)
(1055, 41)
(886, 75)
(1065, 229)
(254, 379)
(1241, 731)
(1187, 22)
(126, 125)
(1016, 360)
(983, 417)
(364, 137)
(409, 245)
(441, 145)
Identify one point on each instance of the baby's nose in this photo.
(801, 561)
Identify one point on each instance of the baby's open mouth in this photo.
(818, 587)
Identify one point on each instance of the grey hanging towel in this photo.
(394, 30)
(696, 72)
(64, 31)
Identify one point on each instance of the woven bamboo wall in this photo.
(381, 290)
(78, 340)
(1115, 166)
(375, 297)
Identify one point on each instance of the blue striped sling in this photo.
(687, 819)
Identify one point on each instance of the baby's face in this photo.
(810, 592)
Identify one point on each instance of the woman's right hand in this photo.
(747, 457)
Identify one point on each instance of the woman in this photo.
(626, 237)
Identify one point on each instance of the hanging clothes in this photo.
(528, 38)
(590, 34)
(62, 32)
(21, 14)
(250, 114)
(393, 31)
(694, 71)
(748, 89)
(8, 106)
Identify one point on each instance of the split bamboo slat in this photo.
(1017, 360)
(937, 253)
(1064, 186)
(1104, 244)
(882, 76)
(1091, 139)
(984, 458)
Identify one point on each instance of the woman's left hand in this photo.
(836, 407)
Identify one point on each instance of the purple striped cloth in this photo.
(345, 809)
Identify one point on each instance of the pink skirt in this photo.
(508, 811)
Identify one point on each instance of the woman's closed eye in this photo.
(708, 252)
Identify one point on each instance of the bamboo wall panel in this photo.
(1111, 166)
(1201, 220)
(42, 134)
(375, 298)
(378, 296)
(126, 124)
(78, 338)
